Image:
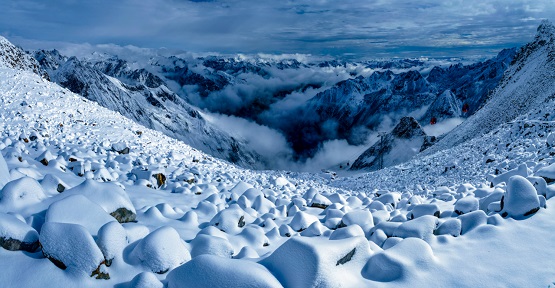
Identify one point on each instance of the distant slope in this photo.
(400, 145)
(145, 98)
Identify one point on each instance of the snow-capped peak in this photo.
(546, 31)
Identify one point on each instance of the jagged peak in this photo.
(546, 31)
(408, 127)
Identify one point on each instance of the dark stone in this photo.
(341, 225)
(60, 188)
(124, 151)
(160, 179)
(99, 274)
(318, 205)
(15, 245)
(241, 223)
(44, 162)
(123, 215)
(534, 210)
(346, 258)
(56, 262)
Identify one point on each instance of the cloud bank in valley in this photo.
(374, 28)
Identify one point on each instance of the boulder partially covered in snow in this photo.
(78, 209)
(213, 245)
(466, 205)
(4, 172)
(111, 239)
(111, 197)
(161, 250)
(16, 234)
(20, 193)
(547, 173)
(317, 262)
(521, 198)
(70, 246)
(214, 271)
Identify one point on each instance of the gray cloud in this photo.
(373, 28)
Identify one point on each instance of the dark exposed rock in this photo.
(123, 215)
(14, 245)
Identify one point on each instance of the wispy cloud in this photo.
(373, 28)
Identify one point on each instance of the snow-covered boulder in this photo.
(319, 201)
(145, 280)
(521, 170)
(231, 220)
(362, 218)
(70, 246)
(214, 271)
(213, 245)
(466, 204)
(547, 173)
(521, 198)
(78, 209)
(4, 172)
(161, 250)
(111, 197)
(317, 262)
(302, 220)
(420, 210)
(451, 227)
(20, 193)
(472, 220)
(16, 234)
(347, 232)
(400, 260)
(111, 239)
(421, 227)
(52, 184)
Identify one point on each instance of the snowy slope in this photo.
(206, 225)
(146, 99)
(525, 86)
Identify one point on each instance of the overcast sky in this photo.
(364, 28)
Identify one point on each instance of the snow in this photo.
(214, 271)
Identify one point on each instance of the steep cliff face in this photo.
(400, 145)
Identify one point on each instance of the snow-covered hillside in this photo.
(90, 198)
(526, 86)
(145, 98)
